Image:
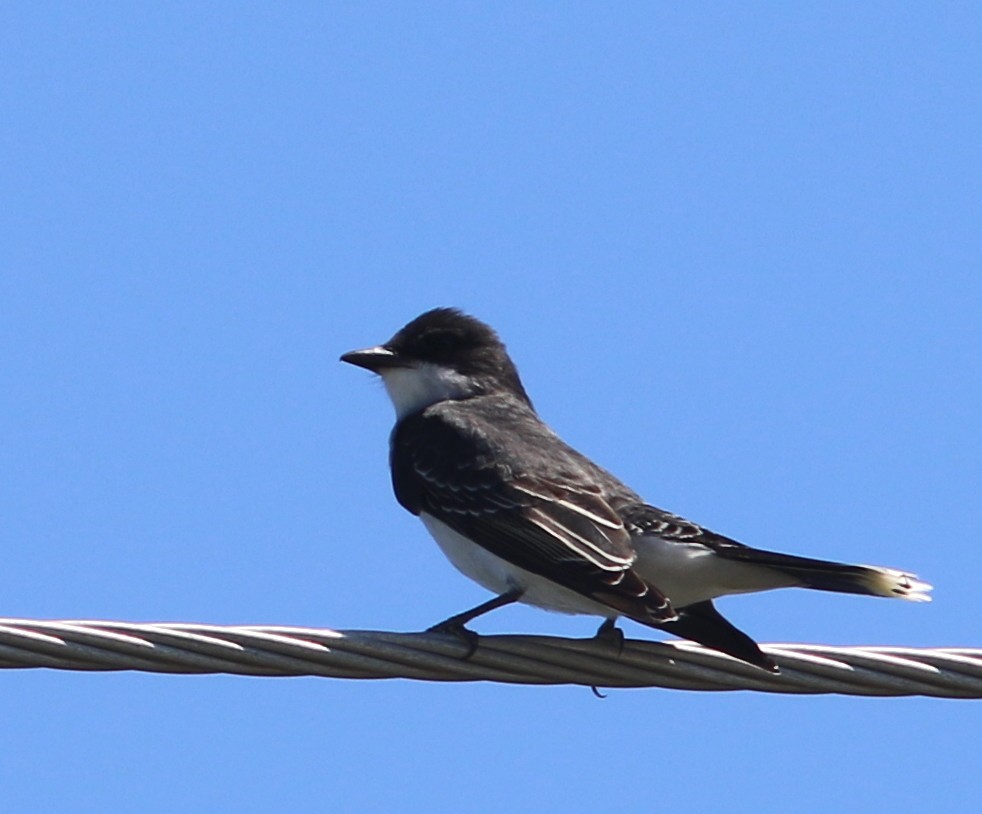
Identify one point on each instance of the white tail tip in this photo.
(898, 584)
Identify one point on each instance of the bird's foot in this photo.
(458, 631)
(610, 633)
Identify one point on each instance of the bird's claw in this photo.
(458, 631)
(610, 633)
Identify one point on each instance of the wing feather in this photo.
(641, 518)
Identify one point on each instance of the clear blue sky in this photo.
(735, 250)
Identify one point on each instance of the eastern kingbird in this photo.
(528, 517)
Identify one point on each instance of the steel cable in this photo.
(262, 650)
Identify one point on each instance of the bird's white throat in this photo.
(414, 388)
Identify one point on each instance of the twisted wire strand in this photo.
(265, 650)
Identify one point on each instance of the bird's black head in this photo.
(446, 336)
(450, 345)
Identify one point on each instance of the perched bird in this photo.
(528, 517)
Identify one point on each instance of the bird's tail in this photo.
(822, 575)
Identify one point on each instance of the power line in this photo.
(263, 650)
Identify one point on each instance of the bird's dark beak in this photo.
(374, 359)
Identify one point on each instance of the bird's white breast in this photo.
(499, 576)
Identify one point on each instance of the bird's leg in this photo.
(455, 624)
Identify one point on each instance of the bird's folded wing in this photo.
(559, 528)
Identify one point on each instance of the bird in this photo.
(531, 519)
